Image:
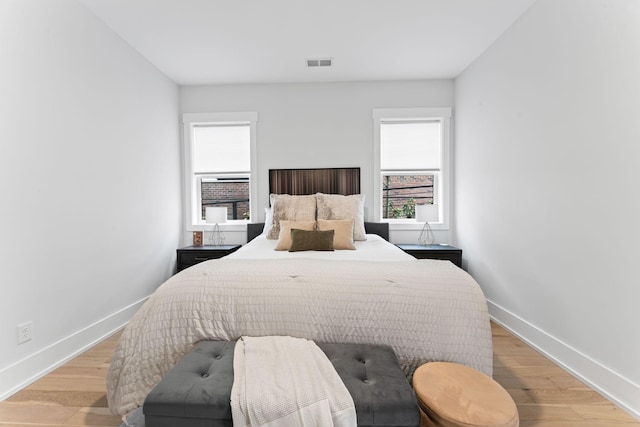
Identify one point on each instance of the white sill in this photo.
(398, 225)
(237, 225)
(412, 225)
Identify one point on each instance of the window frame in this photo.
(191, 196)
(442, 189)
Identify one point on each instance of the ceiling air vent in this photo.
(319, 62)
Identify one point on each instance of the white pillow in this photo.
(268, 220)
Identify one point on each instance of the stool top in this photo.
(457, 395)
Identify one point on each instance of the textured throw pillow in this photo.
(284, 239)
(336, 206)
(314, 240)
(343, 228)
(290, 208)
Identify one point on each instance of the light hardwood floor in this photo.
(546, 395)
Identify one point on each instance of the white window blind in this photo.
(221, 148)
(410, 145)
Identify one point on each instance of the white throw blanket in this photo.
(281, 381)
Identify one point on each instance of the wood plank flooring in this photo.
(546, 395)
(72, 395)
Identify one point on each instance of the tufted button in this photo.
(366, 381)
(205, 375)
(218, 357)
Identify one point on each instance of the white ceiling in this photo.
(267, 41)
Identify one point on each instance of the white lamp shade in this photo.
(216, 215)
(427, 213)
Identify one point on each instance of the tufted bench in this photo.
(196, 391)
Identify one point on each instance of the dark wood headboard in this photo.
(301, 182)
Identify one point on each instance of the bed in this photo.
(373, 293)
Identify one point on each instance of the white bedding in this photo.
(426, 310)
(375, 248)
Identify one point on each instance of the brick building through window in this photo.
(400, 194)
(232, 193)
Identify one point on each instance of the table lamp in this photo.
(216, 215)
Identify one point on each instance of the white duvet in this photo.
(426, 310)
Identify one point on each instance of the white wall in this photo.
(316, 125)
(547, 159)
(89, 179)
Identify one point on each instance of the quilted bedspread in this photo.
(426, 310)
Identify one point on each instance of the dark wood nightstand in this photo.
(192, 255)
(445, 252)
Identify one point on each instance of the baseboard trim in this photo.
(618, 389)
(20, 374)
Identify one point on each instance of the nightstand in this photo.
(444, 252)
(192, 255)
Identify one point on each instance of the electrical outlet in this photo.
(24, 332)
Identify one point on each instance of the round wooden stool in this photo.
(453, 395)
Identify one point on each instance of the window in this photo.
(412, 147)
(219, 158)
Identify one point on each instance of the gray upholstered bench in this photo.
(196, 392)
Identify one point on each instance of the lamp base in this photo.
(217, 237)
(426, 235)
